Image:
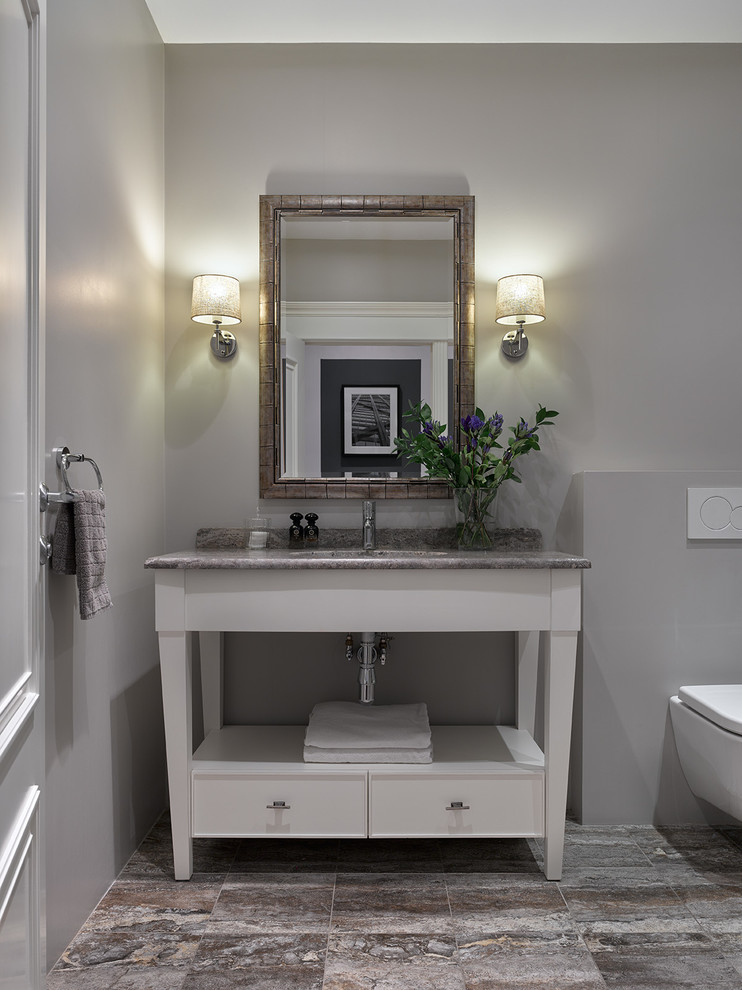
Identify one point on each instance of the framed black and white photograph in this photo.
(370, 418)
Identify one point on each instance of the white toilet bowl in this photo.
(707, 722)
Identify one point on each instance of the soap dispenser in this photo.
(311, 532)
(296, 530)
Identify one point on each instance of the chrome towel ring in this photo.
(64, 458)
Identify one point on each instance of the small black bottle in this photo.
(311, 532)
(296, 530)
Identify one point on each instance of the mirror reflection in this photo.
(366, 307)
(366, 328)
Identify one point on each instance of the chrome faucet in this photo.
(369, 525)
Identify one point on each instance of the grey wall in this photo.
(660, 611)
(613, 171)
(104, 397)
(460, 678)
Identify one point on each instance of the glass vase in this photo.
(475, 517)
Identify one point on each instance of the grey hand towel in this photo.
(63, 543)
(89, 510)
(79, 547)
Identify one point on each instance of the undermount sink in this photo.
(347, 554)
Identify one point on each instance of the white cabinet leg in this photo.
(210, 648)
(175, 668)
(560, 656)
(526, 645)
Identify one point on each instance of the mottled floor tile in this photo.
(600, 833)
(606, 938)
(697, 847)
(555, 961)
(730, 946)
(266, 961)
(728, 943)
(123, 977)
(286, 856)
(133, 905)
(505, 902)
(597, 847)
(717, 907)
(389, 856)
(273, 902)
(257, 978)
(152, 978)
(666, 969)
(129, 948)
(154, 857)
(425, 961)
(210, 856)
(635, 895)
(95, 978)
(488, 856)
(244, 951)
(382, 902)
(597, 875)
(658, 908)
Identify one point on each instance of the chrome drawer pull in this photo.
(458, 806)
(278, 806)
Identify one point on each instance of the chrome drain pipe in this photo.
(367, 656)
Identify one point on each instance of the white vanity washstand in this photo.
(491, 781)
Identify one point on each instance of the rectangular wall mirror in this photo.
(366, 306)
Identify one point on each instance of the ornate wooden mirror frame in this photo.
(272, 209)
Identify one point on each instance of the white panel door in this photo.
(21, 719)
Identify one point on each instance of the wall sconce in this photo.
(216, 300)
(520, 300)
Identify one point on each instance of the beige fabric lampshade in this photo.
(216, 298)
(520, 299)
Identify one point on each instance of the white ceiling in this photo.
(447, 21)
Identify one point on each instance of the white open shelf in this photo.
(484, 748)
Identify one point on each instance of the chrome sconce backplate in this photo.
(223, 344)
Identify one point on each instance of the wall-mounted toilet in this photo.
(707, 722)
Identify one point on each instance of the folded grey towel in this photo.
(79, 547)
(342, 725)
(89, 510)
(316, 754)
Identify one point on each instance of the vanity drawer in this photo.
(245, 804)
(425, 804)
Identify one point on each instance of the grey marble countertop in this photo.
(405, 549)
(283, 559)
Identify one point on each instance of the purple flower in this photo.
(471, 424)
(430, 429)
(495, 423)
(523, 433)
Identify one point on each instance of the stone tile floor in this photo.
(638, 907)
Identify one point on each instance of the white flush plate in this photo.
(715, 513)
